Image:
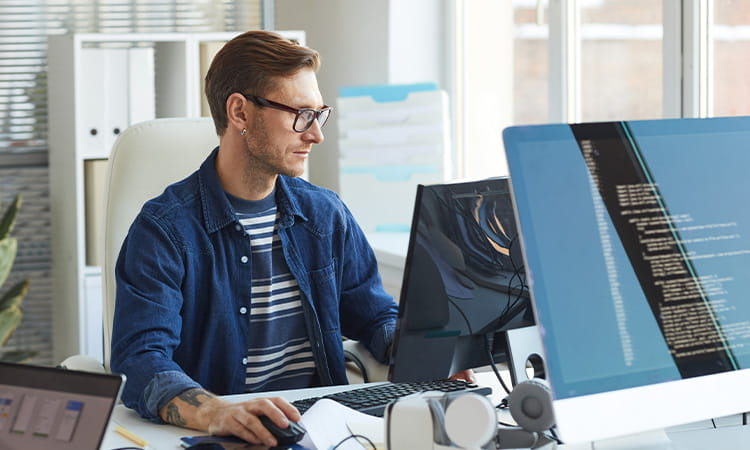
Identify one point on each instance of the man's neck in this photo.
(239, 179)
(255, 186)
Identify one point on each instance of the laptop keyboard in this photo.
(372, 400)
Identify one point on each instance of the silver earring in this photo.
(243, 132)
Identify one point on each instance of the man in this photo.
(243, 277)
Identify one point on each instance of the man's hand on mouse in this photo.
(241, 419)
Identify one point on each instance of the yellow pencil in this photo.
(132, 437)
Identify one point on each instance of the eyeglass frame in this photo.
(266, 103)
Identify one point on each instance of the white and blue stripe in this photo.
(280, 355)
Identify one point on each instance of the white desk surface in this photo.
(167, 437)
(729, 433)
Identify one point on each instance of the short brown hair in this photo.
(251, 63)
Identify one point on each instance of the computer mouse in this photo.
(285, 436)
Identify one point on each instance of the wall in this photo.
(365, 42)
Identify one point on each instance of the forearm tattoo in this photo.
(191, 397)
(173, 415)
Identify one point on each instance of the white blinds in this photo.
(24, 26)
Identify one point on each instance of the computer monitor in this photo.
(637, 238)
(463, 284)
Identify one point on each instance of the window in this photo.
(621, 60)
(530, 64)
(731, 47)
(592, 60)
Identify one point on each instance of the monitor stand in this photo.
(525, 354)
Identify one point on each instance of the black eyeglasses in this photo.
(303, 118)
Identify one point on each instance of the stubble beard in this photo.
(262, 157)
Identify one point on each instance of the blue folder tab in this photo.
(382, 93)
(391, 173)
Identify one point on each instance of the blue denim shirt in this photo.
(183, 289)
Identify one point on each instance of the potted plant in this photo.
(10, 302)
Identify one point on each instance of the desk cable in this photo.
(489, 340)
(354, 436)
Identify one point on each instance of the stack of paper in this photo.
(328, 423)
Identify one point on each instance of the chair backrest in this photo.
(145, 159)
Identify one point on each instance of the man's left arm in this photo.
(368, 312)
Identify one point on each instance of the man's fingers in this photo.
(287, 409)
(466, 375)
(247, 426)
(277, 409)
(252, 431)
(242, 419)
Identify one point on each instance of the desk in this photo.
(167, 437)
(698, 436)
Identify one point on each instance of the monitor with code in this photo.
(637, 246)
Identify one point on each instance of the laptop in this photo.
(46, 407)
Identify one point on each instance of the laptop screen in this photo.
(44, 407)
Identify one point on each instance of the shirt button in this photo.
(244, 361)
(238, 227)
(243, 259)
(243, 310)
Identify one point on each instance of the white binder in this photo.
(118, 86)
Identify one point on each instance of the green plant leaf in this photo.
(10, 310)
(9, 218)
(10, 318)
(18, 356)
(14, 295)
(8, 248)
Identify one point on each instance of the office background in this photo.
(502, 62)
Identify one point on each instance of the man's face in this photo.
(272, 145)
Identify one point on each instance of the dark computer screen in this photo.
(464, 283)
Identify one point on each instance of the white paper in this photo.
(328, 423)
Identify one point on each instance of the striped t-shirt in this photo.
(280, 355)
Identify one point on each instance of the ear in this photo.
(238, 113)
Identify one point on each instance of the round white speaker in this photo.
(470, 421)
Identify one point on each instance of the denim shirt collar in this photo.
(218, 212)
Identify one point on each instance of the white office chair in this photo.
(145, 159)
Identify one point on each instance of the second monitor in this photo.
(464, 283)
